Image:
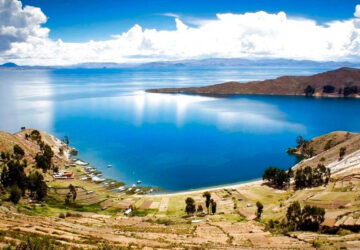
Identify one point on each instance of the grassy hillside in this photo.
(96, 219)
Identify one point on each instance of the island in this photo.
(342, 82)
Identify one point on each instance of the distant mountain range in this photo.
(210, 62)
(343, 82)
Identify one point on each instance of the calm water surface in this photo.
(176, 142)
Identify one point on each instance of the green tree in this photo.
(37, 186)
(18, 152)
(190, 206)
(15, 194)
(277, 177)
(67, 198)
(312, 217)
(72, 190)
(213, 206)
(293, 215)
(328, 89)
(207, 196)
(35, 136)
(260, 208)
(309, 91)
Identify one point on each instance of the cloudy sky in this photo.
(62, 32)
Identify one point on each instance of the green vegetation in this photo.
(260, 208)
(328, 89)
(277, 177)
(213, 206)
(308, 219)
(43, 159)
(309, 90)
(309, 177)
(190, 207)
(13, 176)
(207, 196)
(350, 90)
(18, 152)
(15, 194)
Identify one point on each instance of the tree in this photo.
(3, 155)
(300, 141)
(350, 90)
(309, 91)
(213, 206)
(328, 89)
(312, 217)
(18, 152)
(5, 177)
(308, 218)
(35, 136)
(37, 186)
(190, 206)
(293, 215)
(207, 196)
(67, 198)
(260, 208)
(277, 177)
(15, 194)
(44, 159)
(72, 190)
(16, 175)
(342, 152)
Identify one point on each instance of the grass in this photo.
(143, 213)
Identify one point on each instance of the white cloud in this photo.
(250, 35)
(19, 24)
(357, 11)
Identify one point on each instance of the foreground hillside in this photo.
(337, 83)
(96, 218)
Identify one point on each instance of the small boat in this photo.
(138, 181)
(109, 166)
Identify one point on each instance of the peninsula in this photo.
(342, 82)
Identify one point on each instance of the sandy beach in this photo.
(213, 188)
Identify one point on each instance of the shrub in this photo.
(328, 89)
(350, 90)
(309, 91)
(309, 218)
(18, 151)
(62, 215)
(15, 194)
(260, 208)
(190, 205)
(277, 177)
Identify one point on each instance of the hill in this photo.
(96, 218)
(9, 65)
(336, 83)
(326, 150)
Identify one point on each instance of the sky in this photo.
(63, 32)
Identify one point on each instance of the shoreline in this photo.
(211, 188)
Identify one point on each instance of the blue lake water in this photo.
(176, 142)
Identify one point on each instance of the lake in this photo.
(176, 142)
